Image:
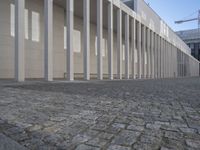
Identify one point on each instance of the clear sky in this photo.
(172, 10)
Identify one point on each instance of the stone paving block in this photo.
(13, 131)
(153, 126)
(193, 143)
(135, 128)
(149, 139)
(53, 139)
(106, 118)
(113, 130)
(119, 125)
(126, 137)
(86, 147)
(97, 142)
(146, 146)
(20, 137)
(118, 147)
(164, 148)
(188, 130)
(100, 126)
(80, 138)
(173, 144)
(173, 135)
(8, 144)
(104, 135)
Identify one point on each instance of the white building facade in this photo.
(88, 39)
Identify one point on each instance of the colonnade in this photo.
(156, 57)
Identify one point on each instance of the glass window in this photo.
(104, 46)
(192, 45)
(77, 41)
(65, 37)
(12, 20)
(123, 52)
(35, 26)
(26, 23)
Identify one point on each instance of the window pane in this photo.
(35, 26)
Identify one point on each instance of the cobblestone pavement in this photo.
(108, 115)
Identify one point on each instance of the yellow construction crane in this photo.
(192, 19)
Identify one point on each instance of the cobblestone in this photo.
(118, 147)
(107, 115)
(193, 143)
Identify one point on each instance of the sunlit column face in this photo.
(12, 22)
(35, 24)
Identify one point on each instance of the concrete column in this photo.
(184, 65)
(127, 46)
(163, 58)
(110, 40)
(119, 44)
(160, 59)
(48, 50)
(180, 62)
(156, 56)
(99, 38)
(70, 31)
(148, 54)
(152, 54)
(169, 67)
(143, 51)
(86, 39)
(133, 36)
(19, 40)
(176, 62)
(159, 62)
(168, 60)
(139, 43)
(171, 61)
(164, 52)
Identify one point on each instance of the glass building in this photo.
(192, 39)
